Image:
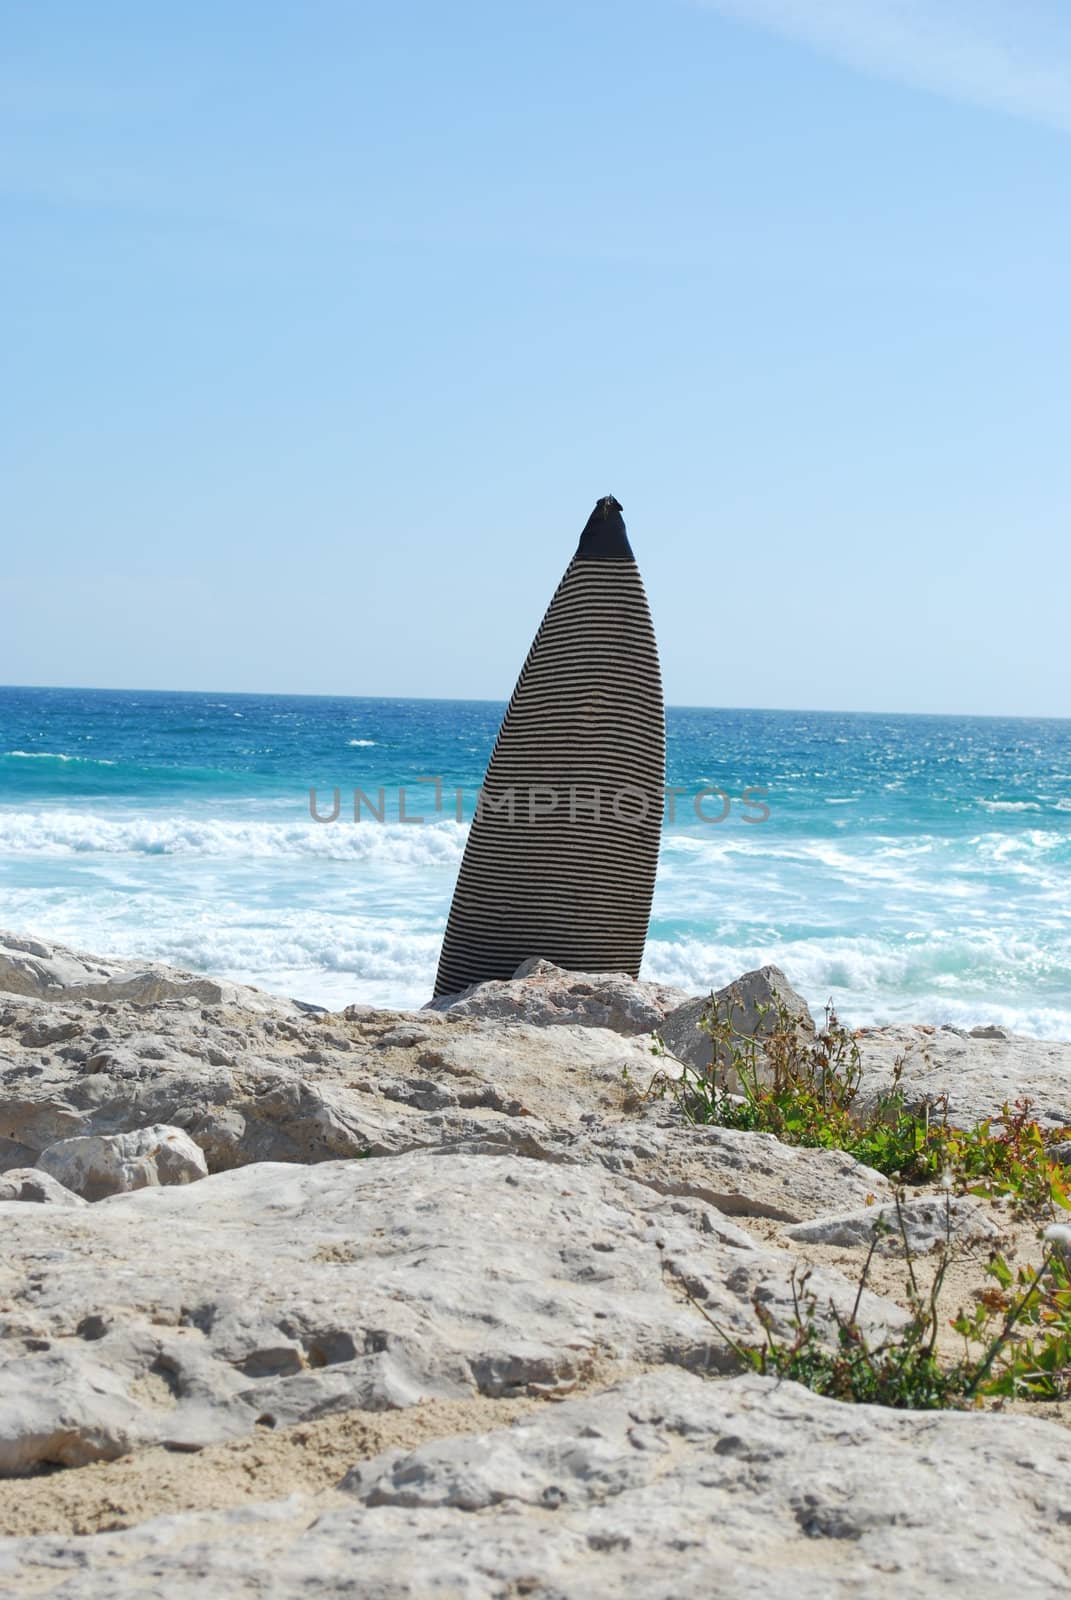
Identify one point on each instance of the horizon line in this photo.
(483, 700)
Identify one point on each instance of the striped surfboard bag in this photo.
(562, 852)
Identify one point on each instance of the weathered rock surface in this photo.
(541, 993)
(251, 1086)
(666, 1487)
(257, 1086)
(753, 1471)
(978, 1071)
(742, 1000)
(535, 1225)
(925, 1221)
(52, 972)
(13, 1154)
(743, 1174)
(276, 1293)
(28, 1183)
(96, 1166)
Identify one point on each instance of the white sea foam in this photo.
(894, 864)
(936, 927)
(1009, 805)
(329, 958)
(934, 978)
(361, 743)
(924, 865)
(53, 755)
(68, 832)
(374, 935)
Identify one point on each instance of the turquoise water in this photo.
(910, 867)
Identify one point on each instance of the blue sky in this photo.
(326, 323)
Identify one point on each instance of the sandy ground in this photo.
(307, 1457)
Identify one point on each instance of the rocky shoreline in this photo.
(405, 1303)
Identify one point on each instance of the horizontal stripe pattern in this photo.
(586, 718)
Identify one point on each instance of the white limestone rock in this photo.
(665, 1487)
(103, 1164)
(545, 995)
(743, 1174)
(249, 1085)
(978, 1072)
(53, 972)
(926, 1221)
(40, 1188)
(743, 1001)
(276, 1293)
(253, 1086)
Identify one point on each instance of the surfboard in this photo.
(561, 855)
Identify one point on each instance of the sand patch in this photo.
(305, 1458)
(270, 1464)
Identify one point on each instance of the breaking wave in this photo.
(68, 832)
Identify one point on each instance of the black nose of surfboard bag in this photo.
(561, 855)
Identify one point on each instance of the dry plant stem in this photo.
(723, 1333)
(865, 1274)
(938, 1282)
(916, 1298)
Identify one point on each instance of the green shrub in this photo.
(1015, 1344)
(804, 1089)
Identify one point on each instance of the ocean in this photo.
(911, 868)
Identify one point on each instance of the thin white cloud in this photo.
(1007, 55)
